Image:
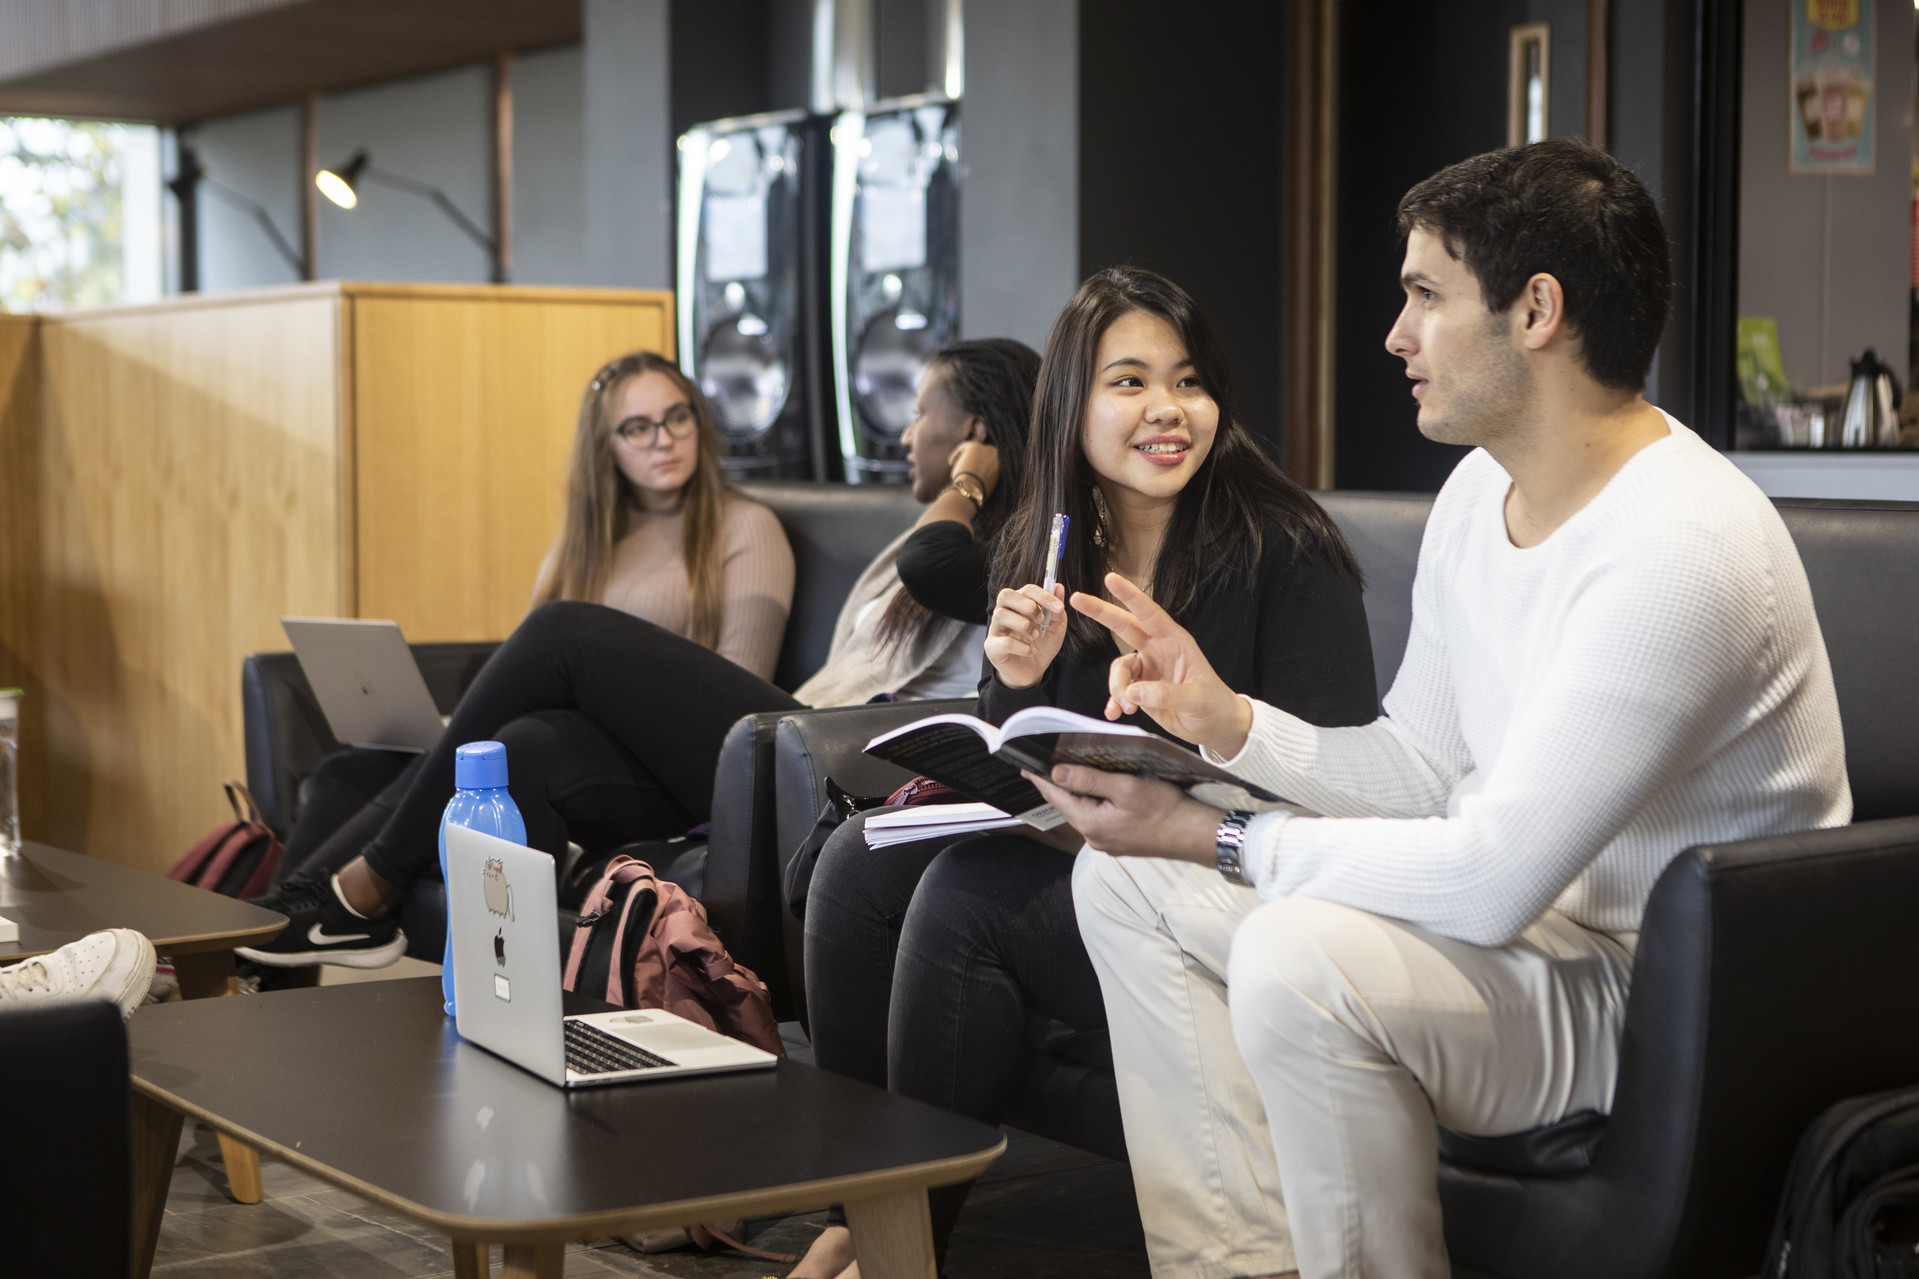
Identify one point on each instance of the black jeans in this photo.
(569, 779)
(661, 703)
(924, 962)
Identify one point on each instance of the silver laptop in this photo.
(506, 982)
(367, 682)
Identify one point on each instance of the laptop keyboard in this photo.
(591, 1051)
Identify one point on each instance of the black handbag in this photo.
(1850, 1209)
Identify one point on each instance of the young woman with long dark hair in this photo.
(925, 961)
(613, 723)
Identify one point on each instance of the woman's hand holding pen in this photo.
(1165, 675)
(1015, 644)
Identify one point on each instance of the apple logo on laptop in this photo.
(499, 947)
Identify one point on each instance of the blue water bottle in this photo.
(480, 802)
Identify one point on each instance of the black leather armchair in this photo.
(287, 735)
(68, 1209)
(1774, 977)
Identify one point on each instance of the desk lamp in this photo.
(341, 185)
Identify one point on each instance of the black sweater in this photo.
(1296, 638)
(945, 571)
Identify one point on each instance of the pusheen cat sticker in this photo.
(498, 893)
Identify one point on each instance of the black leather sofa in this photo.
(1773, 977)
(834, 531)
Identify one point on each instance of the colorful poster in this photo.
(1832, 106)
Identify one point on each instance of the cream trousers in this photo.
(1361, 1033)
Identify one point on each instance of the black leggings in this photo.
(570, 781)
(925, 961)
(659, 708)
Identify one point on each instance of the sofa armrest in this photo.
(285, 731)
(742, 873)
(809, 747)
(1773, 977)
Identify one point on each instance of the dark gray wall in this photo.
(1184, 176)
(433, 130)
(549, 168)
(1396, 130)
(629, 143)
(719, 60)
(258, 155)
(1019, 193)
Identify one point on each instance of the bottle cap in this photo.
(479, 766)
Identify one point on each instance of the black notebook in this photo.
(983, 763)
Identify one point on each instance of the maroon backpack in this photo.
(237, 858)
(644, 943)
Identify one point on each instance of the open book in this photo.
(983, 763)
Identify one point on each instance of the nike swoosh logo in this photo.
(321, 938)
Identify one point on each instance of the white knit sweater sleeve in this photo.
(1662, 656)
(1403, 764)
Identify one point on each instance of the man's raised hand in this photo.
(1165, 675)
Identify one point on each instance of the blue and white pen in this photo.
(1055, 550)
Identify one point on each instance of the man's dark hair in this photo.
(1572, 212)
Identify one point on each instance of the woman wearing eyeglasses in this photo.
(653, 529)
(614, 695)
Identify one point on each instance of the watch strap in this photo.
(1229, 844)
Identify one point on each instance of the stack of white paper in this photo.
(9, 931)
(933, 821)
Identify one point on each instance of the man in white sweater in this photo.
(1613, 657)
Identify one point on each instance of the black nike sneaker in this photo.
(321, 930)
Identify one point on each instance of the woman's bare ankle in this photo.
(828, 1258)
(364, 891)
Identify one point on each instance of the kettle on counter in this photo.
(1870, 419)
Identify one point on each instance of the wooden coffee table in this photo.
(369, 1087)
(57, 897)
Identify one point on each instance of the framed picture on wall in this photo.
(1527, 84)
(1831, 87)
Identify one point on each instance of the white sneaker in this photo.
(116, 965)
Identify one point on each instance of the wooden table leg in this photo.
(542, 1260)
(156, 1144)
(208, 975)
(471, 1260)
(893, 1236)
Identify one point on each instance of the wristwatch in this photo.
(1228, 841)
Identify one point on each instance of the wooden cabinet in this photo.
(179, 476)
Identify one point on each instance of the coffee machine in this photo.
(894, 271)
(750, 295)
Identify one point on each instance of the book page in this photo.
(1051, 719)
(953, 752)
